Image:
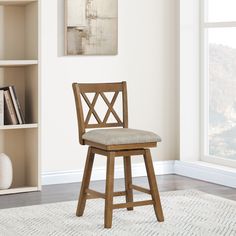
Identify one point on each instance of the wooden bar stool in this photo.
(113, 142)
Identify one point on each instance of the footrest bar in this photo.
(140, 189)
(133, 204)
(120, 193)
(91, 194)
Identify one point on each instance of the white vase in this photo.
(6, 172)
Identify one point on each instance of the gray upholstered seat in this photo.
(120, 136)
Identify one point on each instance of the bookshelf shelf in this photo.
(15, 2)
(24, 126)
(20, 69)
(15, 63)
(19, 190)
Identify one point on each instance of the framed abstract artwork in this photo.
(91, 27)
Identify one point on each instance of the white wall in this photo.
(147, 61)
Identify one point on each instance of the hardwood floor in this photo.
(68, 192)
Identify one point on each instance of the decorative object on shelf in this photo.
(6, 172)
(91, 27)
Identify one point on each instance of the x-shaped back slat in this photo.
(91, 108)
(110, 110)
(110, 107)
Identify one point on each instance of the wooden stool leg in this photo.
(153, 185)
(85, 182)
(128, 180)
(109, 190)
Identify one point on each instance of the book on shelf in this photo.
(10, 114)
(1, 107)
(17, 106)
(11, 110)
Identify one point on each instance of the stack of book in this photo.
(10, 109)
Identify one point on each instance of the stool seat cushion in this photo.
(120, 136)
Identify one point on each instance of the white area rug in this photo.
(186, 213)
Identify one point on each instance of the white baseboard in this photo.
(207, 172)
(138, 170)
(197, 170)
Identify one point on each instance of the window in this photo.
(218, 31)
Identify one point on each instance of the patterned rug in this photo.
(187, 212)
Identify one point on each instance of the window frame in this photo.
(204, 87)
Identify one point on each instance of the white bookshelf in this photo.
(20, 66)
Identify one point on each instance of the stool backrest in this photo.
(100, 89)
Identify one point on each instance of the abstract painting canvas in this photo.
(91, 27)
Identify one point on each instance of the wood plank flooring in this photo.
(68, 192)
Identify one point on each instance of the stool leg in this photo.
(85, 182)
(128, 180)
(153, 185)
(109, 190)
